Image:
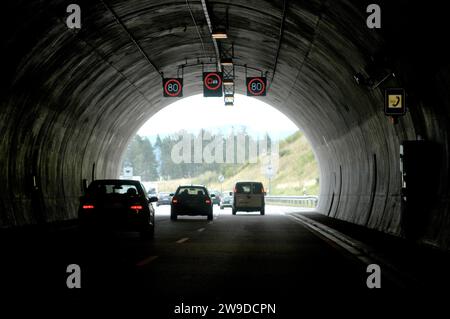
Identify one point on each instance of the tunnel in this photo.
(71, 99)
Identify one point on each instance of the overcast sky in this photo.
(196, 112)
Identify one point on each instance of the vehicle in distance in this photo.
(226, 200)
(248, 197)
(216, 198)
(118, 204)
(152, 192)
(191, 200)
(163, 199)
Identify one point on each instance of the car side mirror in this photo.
(265, 193)
(171, 194)
(231, 193)
(212, 195)
(153, 199)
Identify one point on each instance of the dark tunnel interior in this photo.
(72, 99)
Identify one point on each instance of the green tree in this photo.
(141, 156)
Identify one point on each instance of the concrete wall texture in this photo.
(74, 98)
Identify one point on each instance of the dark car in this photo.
(191, 200)
(164, 199)
(216, 198)
(118, 204)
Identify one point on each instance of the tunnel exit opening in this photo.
(201, 141)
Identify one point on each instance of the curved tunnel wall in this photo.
(72, 99)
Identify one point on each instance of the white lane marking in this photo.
(201, 229)
(358, 249)
(182, 240)
(331, 237)
(146, 261)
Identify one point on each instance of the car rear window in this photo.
(249, 188)
(191, 191)
(112, 188)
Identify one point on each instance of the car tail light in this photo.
(208, 201)
(136, 207)
(88, 206)
(174, 200)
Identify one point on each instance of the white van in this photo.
(248, 197)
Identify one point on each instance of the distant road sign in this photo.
(256, 86)
(270, 171)
(173, 87)
(221, 178)
(212, 84)
(394, 101)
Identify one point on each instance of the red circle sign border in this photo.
(173, 94)
(263, 86)
(213, 88)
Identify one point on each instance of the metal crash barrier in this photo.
(302, 201)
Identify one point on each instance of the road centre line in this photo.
(146, 261)
(182, 240)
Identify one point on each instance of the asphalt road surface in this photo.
(234, 260)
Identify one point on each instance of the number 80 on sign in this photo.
(173, 87)
(256, 86)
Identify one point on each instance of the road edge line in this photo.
(356, 248)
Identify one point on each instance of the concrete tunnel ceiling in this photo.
(72, 98)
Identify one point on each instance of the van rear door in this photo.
(249, 195)
(257, 195)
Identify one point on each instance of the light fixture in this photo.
(228, 82)
(219, 34)
(226, 62)
(229, 99)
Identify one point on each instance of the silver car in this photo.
(226, 200)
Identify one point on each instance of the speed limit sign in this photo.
(256, 86)
(173, 87)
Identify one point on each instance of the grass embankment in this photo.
(298, 172)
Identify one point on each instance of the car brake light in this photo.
(208, 201)
(88, 207)
(174, 200)
(136, 207)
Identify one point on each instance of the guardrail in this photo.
(303, 201)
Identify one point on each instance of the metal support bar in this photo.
(197, 63)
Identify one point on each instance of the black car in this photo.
(191, 200)
(119, 205)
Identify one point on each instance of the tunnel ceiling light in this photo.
(219, 34)
(227, 62)
(229, 99)
(228, 82)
